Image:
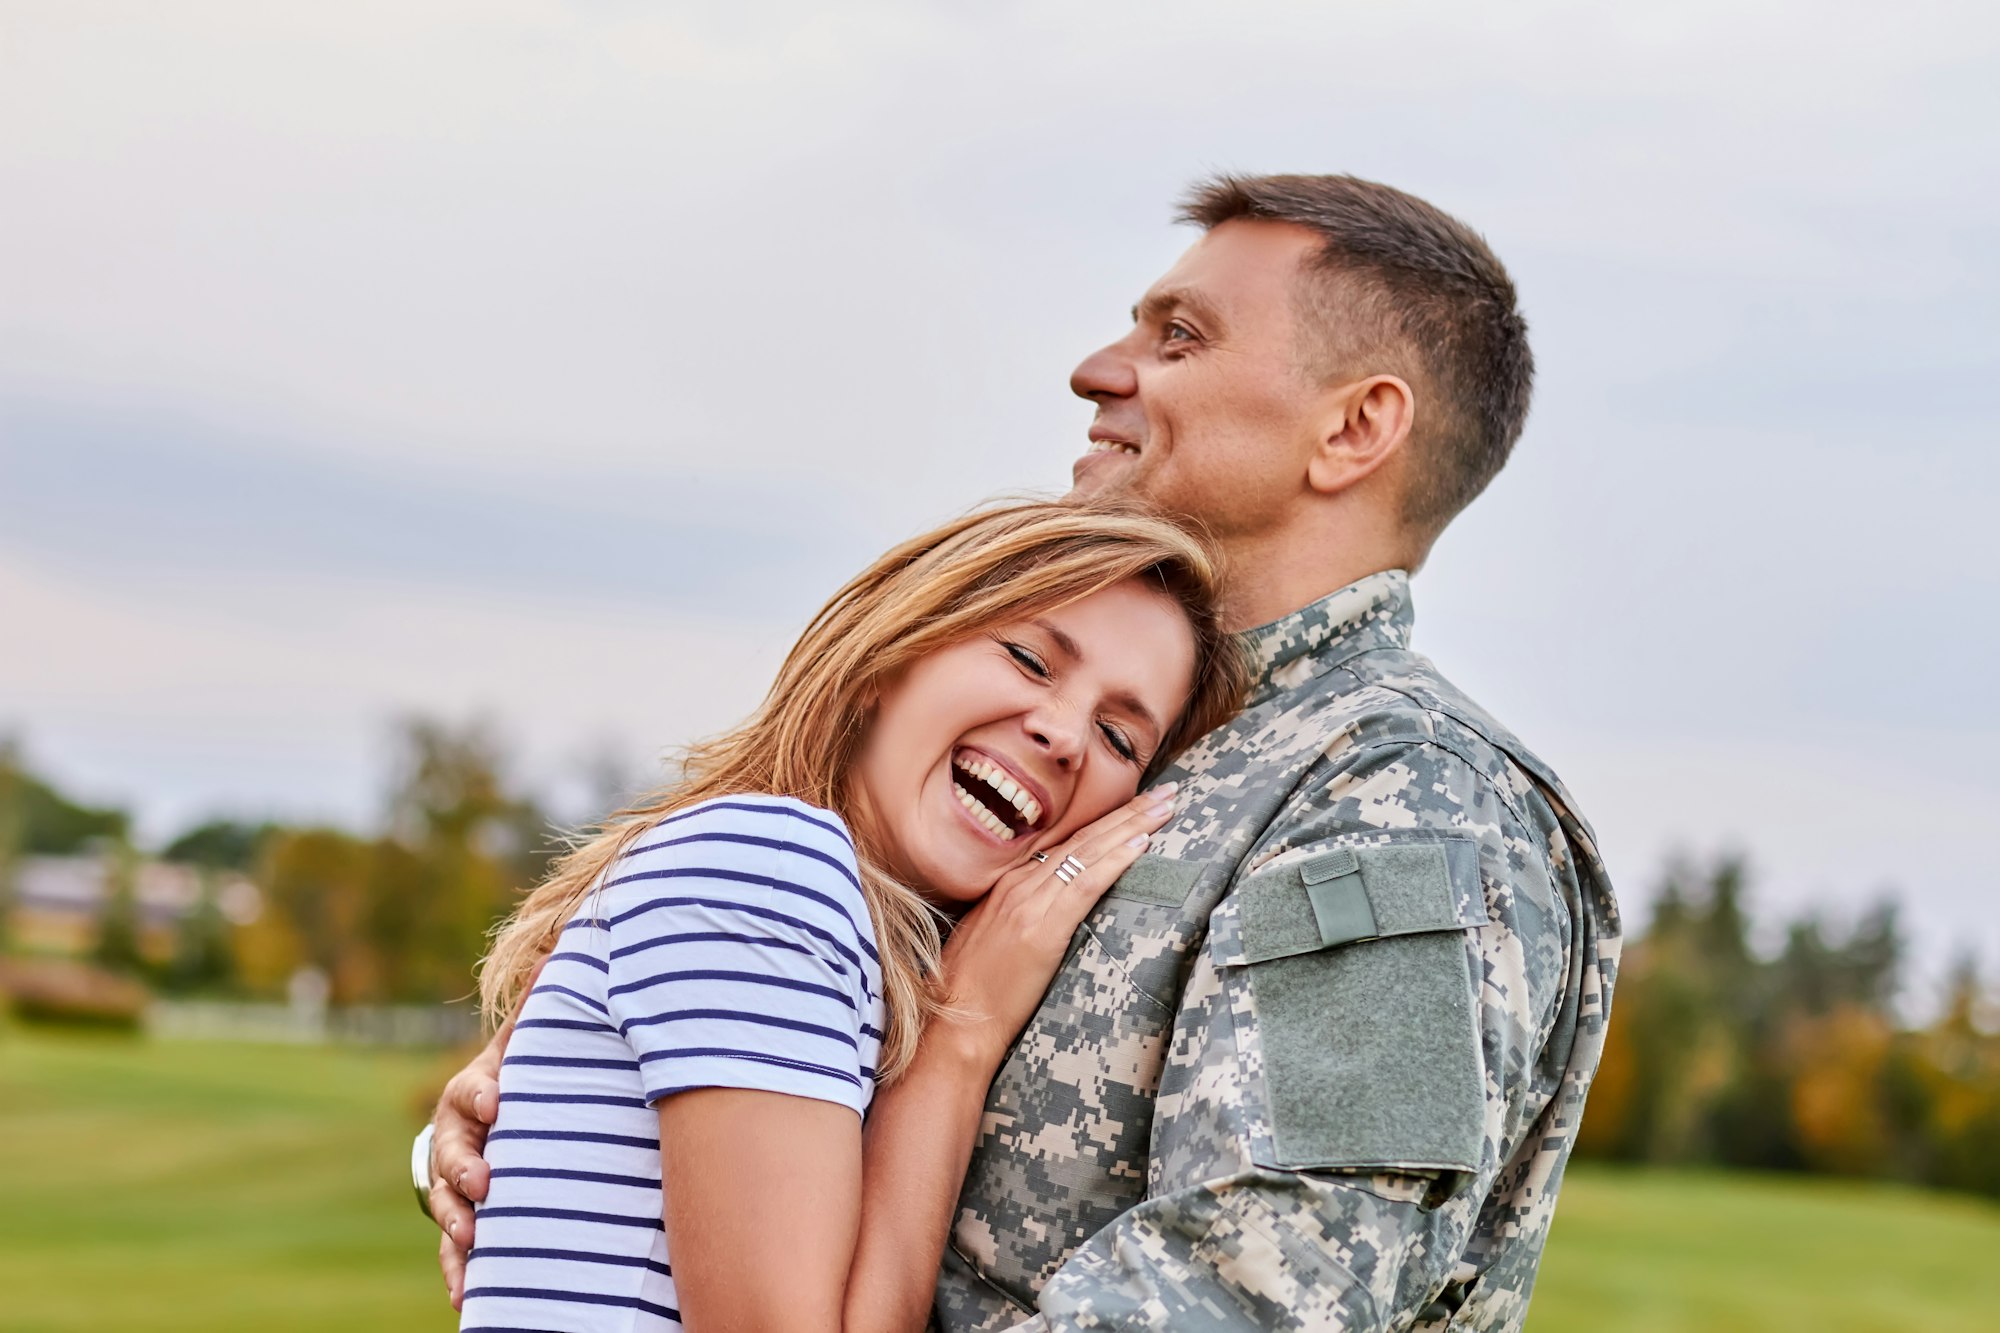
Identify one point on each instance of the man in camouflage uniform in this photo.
(1319, 1062)
(1318, 1059)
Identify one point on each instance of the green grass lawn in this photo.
(190, 1186)
(215, 1187)
(1661, 1252)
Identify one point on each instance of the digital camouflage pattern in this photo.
(1365, 1135)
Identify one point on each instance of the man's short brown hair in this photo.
(1401, 287)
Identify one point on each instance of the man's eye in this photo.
(1119, 743)
(1179, 333)
(1027, 660)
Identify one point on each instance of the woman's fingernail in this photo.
(1165, 789)
(1139, 841)
(1161, 810)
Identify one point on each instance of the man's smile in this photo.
(1105, 440)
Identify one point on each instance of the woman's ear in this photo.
(1368, 424)
(871, 695)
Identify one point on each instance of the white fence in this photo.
(307, 1024)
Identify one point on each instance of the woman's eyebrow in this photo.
(1063, 642)
(1129, 702)
(1124, 700)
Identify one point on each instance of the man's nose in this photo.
(1105, 373)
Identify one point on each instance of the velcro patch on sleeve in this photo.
(1365, 1003)
(1349, 894)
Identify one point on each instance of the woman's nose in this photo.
(1060, 732)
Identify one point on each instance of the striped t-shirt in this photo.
(730, 947)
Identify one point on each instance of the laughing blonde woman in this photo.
(742, 1090)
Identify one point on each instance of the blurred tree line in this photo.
(395, 917)
(1793, 1060)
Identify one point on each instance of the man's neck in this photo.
(1271, 575)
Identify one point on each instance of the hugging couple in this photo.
(1106, 921)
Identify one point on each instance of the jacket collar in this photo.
(1369, 614)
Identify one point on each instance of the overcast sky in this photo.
(551, 362)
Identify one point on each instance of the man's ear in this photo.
(1368, 423)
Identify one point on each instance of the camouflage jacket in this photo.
(1317, 1060)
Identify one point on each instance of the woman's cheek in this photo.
(1102, 793)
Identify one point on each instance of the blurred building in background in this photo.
(263, 931)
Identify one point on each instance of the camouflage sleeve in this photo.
(1345, 1135)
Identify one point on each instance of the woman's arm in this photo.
(763, 1199)
(921, 1128)
(765, 1202)
(783, 1216)
(915, 1149)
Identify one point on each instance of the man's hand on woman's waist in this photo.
(465, 1111)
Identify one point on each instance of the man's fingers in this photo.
(472, 1095)
(468, 1106)
(454, 1217)
(456, 1164)
(451, 1262)
(452, 1214)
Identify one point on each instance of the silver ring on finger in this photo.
(1069, 869)
(1038, 856)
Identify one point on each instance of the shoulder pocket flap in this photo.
(1157, 879)
(1349, 894)
(1329, 865)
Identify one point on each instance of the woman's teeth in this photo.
(996, 779)
(986, 817)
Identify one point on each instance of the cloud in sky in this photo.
(113, 493)
(554, 360)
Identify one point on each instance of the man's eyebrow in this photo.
(1158, 304)
(1123, 699)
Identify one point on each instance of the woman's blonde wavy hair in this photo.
(989, 568)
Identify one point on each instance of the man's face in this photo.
(1203, 408)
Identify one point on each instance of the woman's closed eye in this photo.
(1026, 659)
(1119, 742)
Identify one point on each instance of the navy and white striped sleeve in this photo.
(741, 953)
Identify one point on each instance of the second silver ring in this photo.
(1069, 869)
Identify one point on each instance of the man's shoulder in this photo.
(1399, 698)
(1405, 757)
(1374, 738)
